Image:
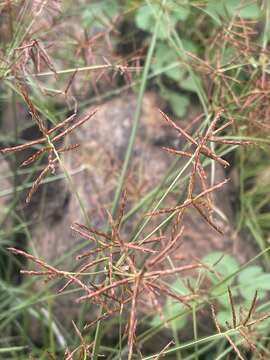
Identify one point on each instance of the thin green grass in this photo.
(253, 216)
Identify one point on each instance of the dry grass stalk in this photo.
(244, 327)
(49, 142)
(128, 280)
(201, 202)
(133, 271)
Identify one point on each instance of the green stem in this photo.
(129, 151)
(137, 115)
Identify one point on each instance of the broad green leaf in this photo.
(178, 102)
(224, 8)
(164, 57)
(178, 11)
(224, 298)
(189, 84)
(179, 288)
(249, 273)
(189, 46)
(224, 316)
(170, 310)
(228, 55)
(245, 9)
(94, 13)
(216, 8)
(175, 74)
(251, 279)
(265, 324)
(146, 18)
(224, 265)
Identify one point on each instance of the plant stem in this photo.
(137, 114)
(129, 151)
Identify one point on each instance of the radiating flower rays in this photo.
(245, 327)
(125, 275)
(202, 201)
(49, 141)
(130, 273)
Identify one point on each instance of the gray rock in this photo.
(95, 167)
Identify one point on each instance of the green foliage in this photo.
(245, 284)
(178, 102)
(97, 13)
(251, 279)
(225, 265)
(146, 17)
(164, 57)
(173, 309)
(169, 61)
(229, 8)
(175, 82)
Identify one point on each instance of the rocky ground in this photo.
(94, 168)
